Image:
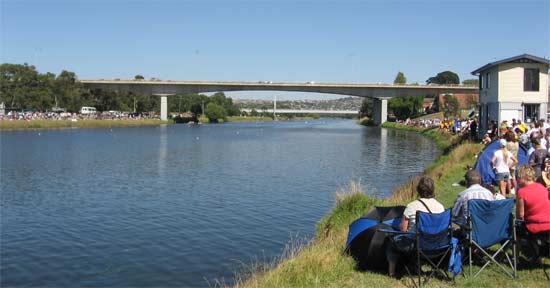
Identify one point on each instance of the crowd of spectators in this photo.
(107, 115)
(463, 127)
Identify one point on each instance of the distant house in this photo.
(513, 88)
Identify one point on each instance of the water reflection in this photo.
(163, 148)
(383, 146)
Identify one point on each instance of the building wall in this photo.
(489, 95)
(510, 84)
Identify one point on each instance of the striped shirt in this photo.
(460, 207)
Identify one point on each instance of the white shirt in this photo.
(500, 164)
(410, 210)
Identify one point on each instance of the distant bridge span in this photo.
(292, 111)
(380, 92)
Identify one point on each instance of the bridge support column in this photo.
(163, 106)
(380, 110)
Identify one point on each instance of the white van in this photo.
(87, 110)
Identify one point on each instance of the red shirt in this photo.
(536, 206)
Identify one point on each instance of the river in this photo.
(180, 205)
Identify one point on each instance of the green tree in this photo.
(366, 108)
(471, 82)
(22, 87)
(68, 92)
(139, 77)
(226, 102)
(400, 78)
(450, 105)
(215, 112)
(446, 77)
(406, 107)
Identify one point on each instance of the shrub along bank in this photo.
(322, 263)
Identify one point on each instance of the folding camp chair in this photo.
(538, 244)
(434, 242)
(490, 223)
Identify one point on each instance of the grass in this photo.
(6, 125)
(322, 263)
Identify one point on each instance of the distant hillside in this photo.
(347, 103)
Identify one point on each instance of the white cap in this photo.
(502, 143)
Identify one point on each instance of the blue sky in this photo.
(294, 41)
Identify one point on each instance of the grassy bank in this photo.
(321, 262)
(6, 125)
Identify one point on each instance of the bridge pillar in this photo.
(163, 106)
(380, 110)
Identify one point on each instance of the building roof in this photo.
(511, 59)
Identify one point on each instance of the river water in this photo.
(180, 205)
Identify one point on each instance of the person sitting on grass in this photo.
(404, 243)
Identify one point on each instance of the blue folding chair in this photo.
(434, 242)
(490, 223)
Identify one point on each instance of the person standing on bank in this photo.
(512, 146)
(500, 161)
(536, 159)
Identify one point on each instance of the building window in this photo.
(488, 80)
(531, 112)
(530, 79)
(480, 82)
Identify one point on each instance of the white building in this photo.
(513, 88)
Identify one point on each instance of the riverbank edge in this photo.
(35, 125)
(321, 261)
(22, 125)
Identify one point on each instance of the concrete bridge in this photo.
(380, 92)
(292, 111)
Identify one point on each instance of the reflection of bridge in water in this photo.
(379, 92)
(291, 111)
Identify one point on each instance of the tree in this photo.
(139, 77)
(446, 77)
(406, 107)
(22, 87)
(450, 106)
(215, 112)
(366, 108)
(471, 82)
(226, 102)
(67, 91)
(470, 100)
(400, 78)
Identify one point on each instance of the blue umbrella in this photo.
(365, 243)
